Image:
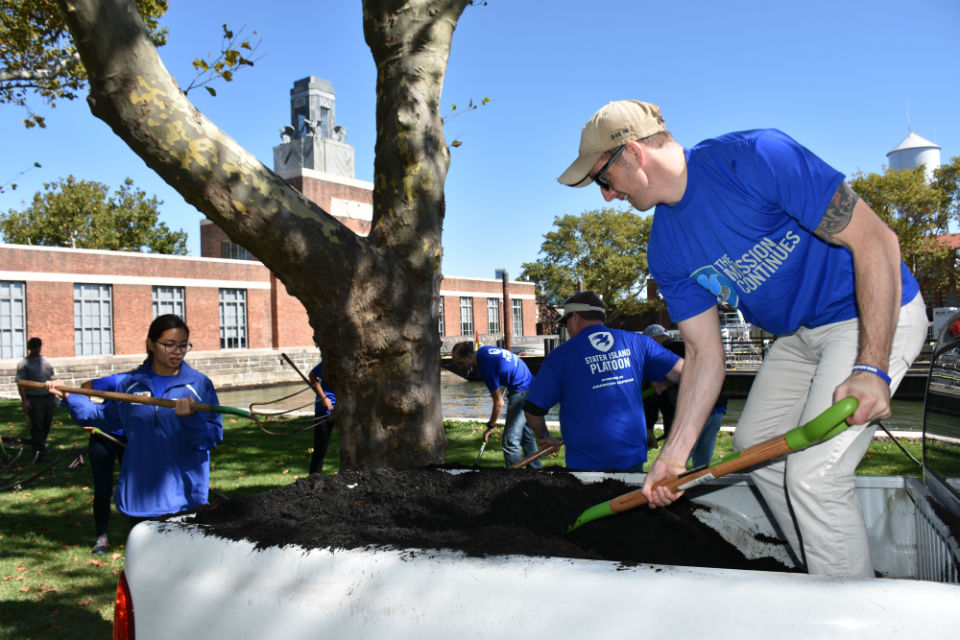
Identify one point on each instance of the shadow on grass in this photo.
(55, 616)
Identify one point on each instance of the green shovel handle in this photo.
(823, 427)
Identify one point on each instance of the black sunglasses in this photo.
(600, 178)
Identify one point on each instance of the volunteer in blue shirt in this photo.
(166, 463)
(755, 220)
(502, 370)
(596, 377)
(322, 410)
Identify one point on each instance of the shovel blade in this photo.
(483, 448)
(595, 512)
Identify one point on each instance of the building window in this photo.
(517, 317)
(168, 300)
(493, 315)
(13, 322)
(301, 114)
(233, 318)
(440, 315)
(92, 319)
(233, 251)
(466, 316)
(324, 122)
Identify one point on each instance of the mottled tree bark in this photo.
(375, 318)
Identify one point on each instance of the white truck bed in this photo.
(187, 584)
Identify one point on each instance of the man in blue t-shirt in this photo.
(596, 377)
(500, 368)
(756, 221)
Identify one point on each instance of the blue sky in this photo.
(844, 78)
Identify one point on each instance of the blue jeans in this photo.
(703, 451)
(516, 433)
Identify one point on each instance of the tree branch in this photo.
(35, 75)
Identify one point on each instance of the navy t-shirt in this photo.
(318, 408)
(596, 378)
(500, 368)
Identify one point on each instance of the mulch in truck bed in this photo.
(481, 513)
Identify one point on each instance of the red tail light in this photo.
(123, 611)
(955, 328)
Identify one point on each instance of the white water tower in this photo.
(915, 150)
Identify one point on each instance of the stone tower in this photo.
(313, 140)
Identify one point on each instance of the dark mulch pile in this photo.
(487, 512)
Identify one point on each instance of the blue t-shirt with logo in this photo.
(596, 377)
(743, 234)
(500, 368)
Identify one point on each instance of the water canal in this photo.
(471, 400)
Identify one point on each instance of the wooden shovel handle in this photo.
(748, 457)
(129, 397)
(536, 456)
(820, 428)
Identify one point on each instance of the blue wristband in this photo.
(880, 373)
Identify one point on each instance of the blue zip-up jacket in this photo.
(166, 465)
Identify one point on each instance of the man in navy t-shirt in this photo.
(502, 369)
(596, 376)
(754, 220)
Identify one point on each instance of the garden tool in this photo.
(539, 454)
(823, 427)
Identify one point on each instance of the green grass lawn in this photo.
(52, 587)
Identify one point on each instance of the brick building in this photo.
(84, 302)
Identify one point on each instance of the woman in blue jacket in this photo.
(166, 464)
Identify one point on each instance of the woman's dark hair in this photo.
(164, 323)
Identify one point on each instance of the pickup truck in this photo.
(180, 581)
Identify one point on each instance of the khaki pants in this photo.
(811, 492)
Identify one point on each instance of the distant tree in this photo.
(605, 249)
(946, 180)
(918, 212)
(81, 214)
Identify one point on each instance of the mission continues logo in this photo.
(729, 275)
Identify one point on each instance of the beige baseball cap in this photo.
(613, 125)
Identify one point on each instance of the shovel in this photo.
(823, 427)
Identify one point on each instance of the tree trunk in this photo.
(375, 315)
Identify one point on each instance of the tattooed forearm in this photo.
(839, 212)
